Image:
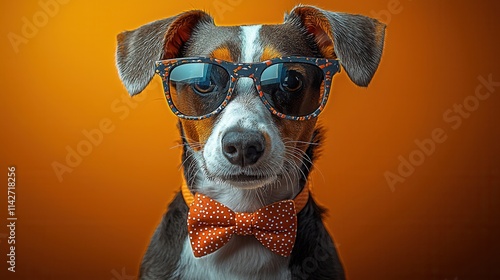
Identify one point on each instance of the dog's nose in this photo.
(243, 148)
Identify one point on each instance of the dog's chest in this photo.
(243, 257)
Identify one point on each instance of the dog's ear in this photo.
(356, 40)
(137, 50)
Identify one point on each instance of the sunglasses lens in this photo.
(198, 89)
(294, 89)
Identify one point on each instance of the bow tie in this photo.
(211, 224)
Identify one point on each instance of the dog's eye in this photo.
(292, 81)
(203, 88)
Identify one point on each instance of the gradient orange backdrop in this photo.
(441, 222)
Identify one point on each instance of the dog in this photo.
(247, 98)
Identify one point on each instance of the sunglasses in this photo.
(294, 88)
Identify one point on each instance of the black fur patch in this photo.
(314, 256)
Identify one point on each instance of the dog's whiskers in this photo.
(289, 141)
(260, 197)
(185, 160)
(302, 156)
(297, 171)
(297, 157)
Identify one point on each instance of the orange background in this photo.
(442, 222)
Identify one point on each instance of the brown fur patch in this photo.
(179, 32)
(318, 25)
(270, 53)
(197, 132)
(222, 53)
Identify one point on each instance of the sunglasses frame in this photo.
(250, 70)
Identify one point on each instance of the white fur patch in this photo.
(250, 46)
(242, 258)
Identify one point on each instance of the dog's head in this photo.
(250, 143)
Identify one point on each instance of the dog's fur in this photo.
(290, 147)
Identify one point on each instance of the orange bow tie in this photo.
(211, 224)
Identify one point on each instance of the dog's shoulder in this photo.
(314, 255)
(162, 256)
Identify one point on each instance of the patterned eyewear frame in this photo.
(251, 70)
